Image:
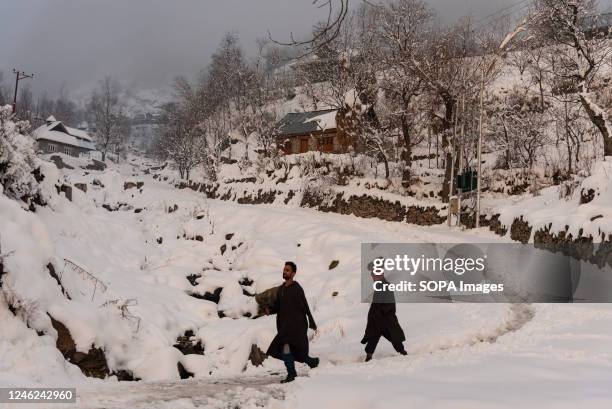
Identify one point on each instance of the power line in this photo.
(524, 5)
(502, 10)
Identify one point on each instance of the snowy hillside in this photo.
(149, 258)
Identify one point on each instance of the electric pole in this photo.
(19, 75)
(479, 153)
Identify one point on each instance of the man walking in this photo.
(292, 322)
(382, 321)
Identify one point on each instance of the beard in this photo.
(286, 276)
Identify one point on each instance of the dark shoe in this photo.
(403, 352)
(368, 357)
(289, 378)
(314, 362)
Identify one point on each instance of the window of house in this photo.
(326, 143)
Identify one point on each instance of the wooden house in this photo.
(300, 132)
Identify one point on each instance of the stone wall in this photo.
(364, 206)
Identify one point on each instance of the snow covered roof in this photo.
(79, 133)
(55, 131)
(300, 123)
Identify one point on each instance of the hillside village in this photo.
(142, 236)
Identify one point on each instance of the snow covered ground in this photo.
(459, 355)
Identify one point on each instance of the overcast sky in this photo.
(146, 43)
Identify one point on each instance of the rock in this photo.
(333, 264)
(92, 364)
(67, 190)
(96, 165)
(81, 186)
(193, 279)
(215, 296)
(160, 240)
(520, 230)
(246, 281)
(96, 182)
(59, 163)
(53, 274)
(184, 373)
(124, 375)
(587, 196)
(223, 248)
(116, 207)
(187, 346)
(257, 356)
(1, 269)
(229, 236)
(335, 294)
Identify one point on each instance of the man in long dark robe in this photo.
(382, 321)
(292, 322)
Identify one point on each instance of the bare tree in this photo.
(327, 31)
(107, 112)
(570, 26)
(519, 127)
(182, 141)
(404, 23)
(451, 62)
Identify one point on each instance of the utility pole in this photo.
(479, 155)
(453, 147)
(19, 75)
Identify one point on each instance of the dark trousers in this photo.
(289, 361)
(373, 342)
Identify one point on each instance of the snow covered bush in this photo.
(17, 159)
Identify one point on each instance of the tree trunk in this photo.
(406, 155)
(598, 117)
(449, 107)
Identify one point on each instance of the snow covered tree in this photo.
(571, 28)
(17, 159)
(519, 127)
(182, 141)
(404, 23)
(451, 62)
(107, 113)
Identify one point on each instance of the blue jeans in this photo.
(289, 360)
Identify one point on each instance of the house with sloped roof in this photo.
(300, 132)
(55, 137)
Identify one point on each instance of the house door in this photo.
(303, 145)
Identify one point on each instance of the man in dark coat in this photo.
(292, 322)
(382, 321)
